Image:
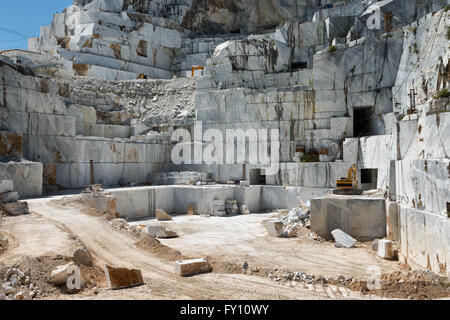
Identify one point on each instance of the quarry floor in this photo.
(244, 238)
(52, 230)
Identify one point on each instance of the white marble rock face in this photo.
(291, 66)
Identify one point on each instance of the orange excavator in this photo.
(349, 186)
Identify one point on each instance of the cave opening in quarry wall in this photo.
(362, 118)
(257, 177)
(369, 179)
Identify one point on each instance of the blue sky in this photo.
(25, 17)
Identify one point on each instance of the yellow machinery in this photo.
(349, 185)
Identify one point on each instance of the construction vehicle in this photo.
(194, 68)
(349, 186)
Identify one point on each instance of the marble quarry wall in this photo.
(422, 167)
(65, 134)
(100, 92)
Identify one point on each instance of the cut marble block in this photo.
(192, 267)
(343, 239)
(275, 228)
(154, 229)
(121, 278)
(385, 249)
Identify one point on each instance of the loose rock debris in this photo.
(413, 285)
(151, 244)
(287, 223)
(30, 278)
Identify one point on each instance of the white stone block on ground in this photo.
(6, 186)
(275, 228)
(192, 267)
(9, 197)
(385, 249)
(61, 274)
(342, 239)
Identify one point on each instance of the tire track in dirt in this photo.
(111, 247)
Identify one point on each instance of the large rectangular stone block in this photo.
(275, 228)
(361, 217)
(192, 267)
(121, 278)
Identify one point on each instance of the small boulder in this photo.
(165, 234)
(121, 278)
(7, 289)
(154, 229)
(385, 249)
(161, 215)
(343, 240)
(83, 257)
(275, 228)
(22, 296)
(61, 274)
(16, 208)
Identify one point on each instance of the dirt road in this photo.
(57, 230)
